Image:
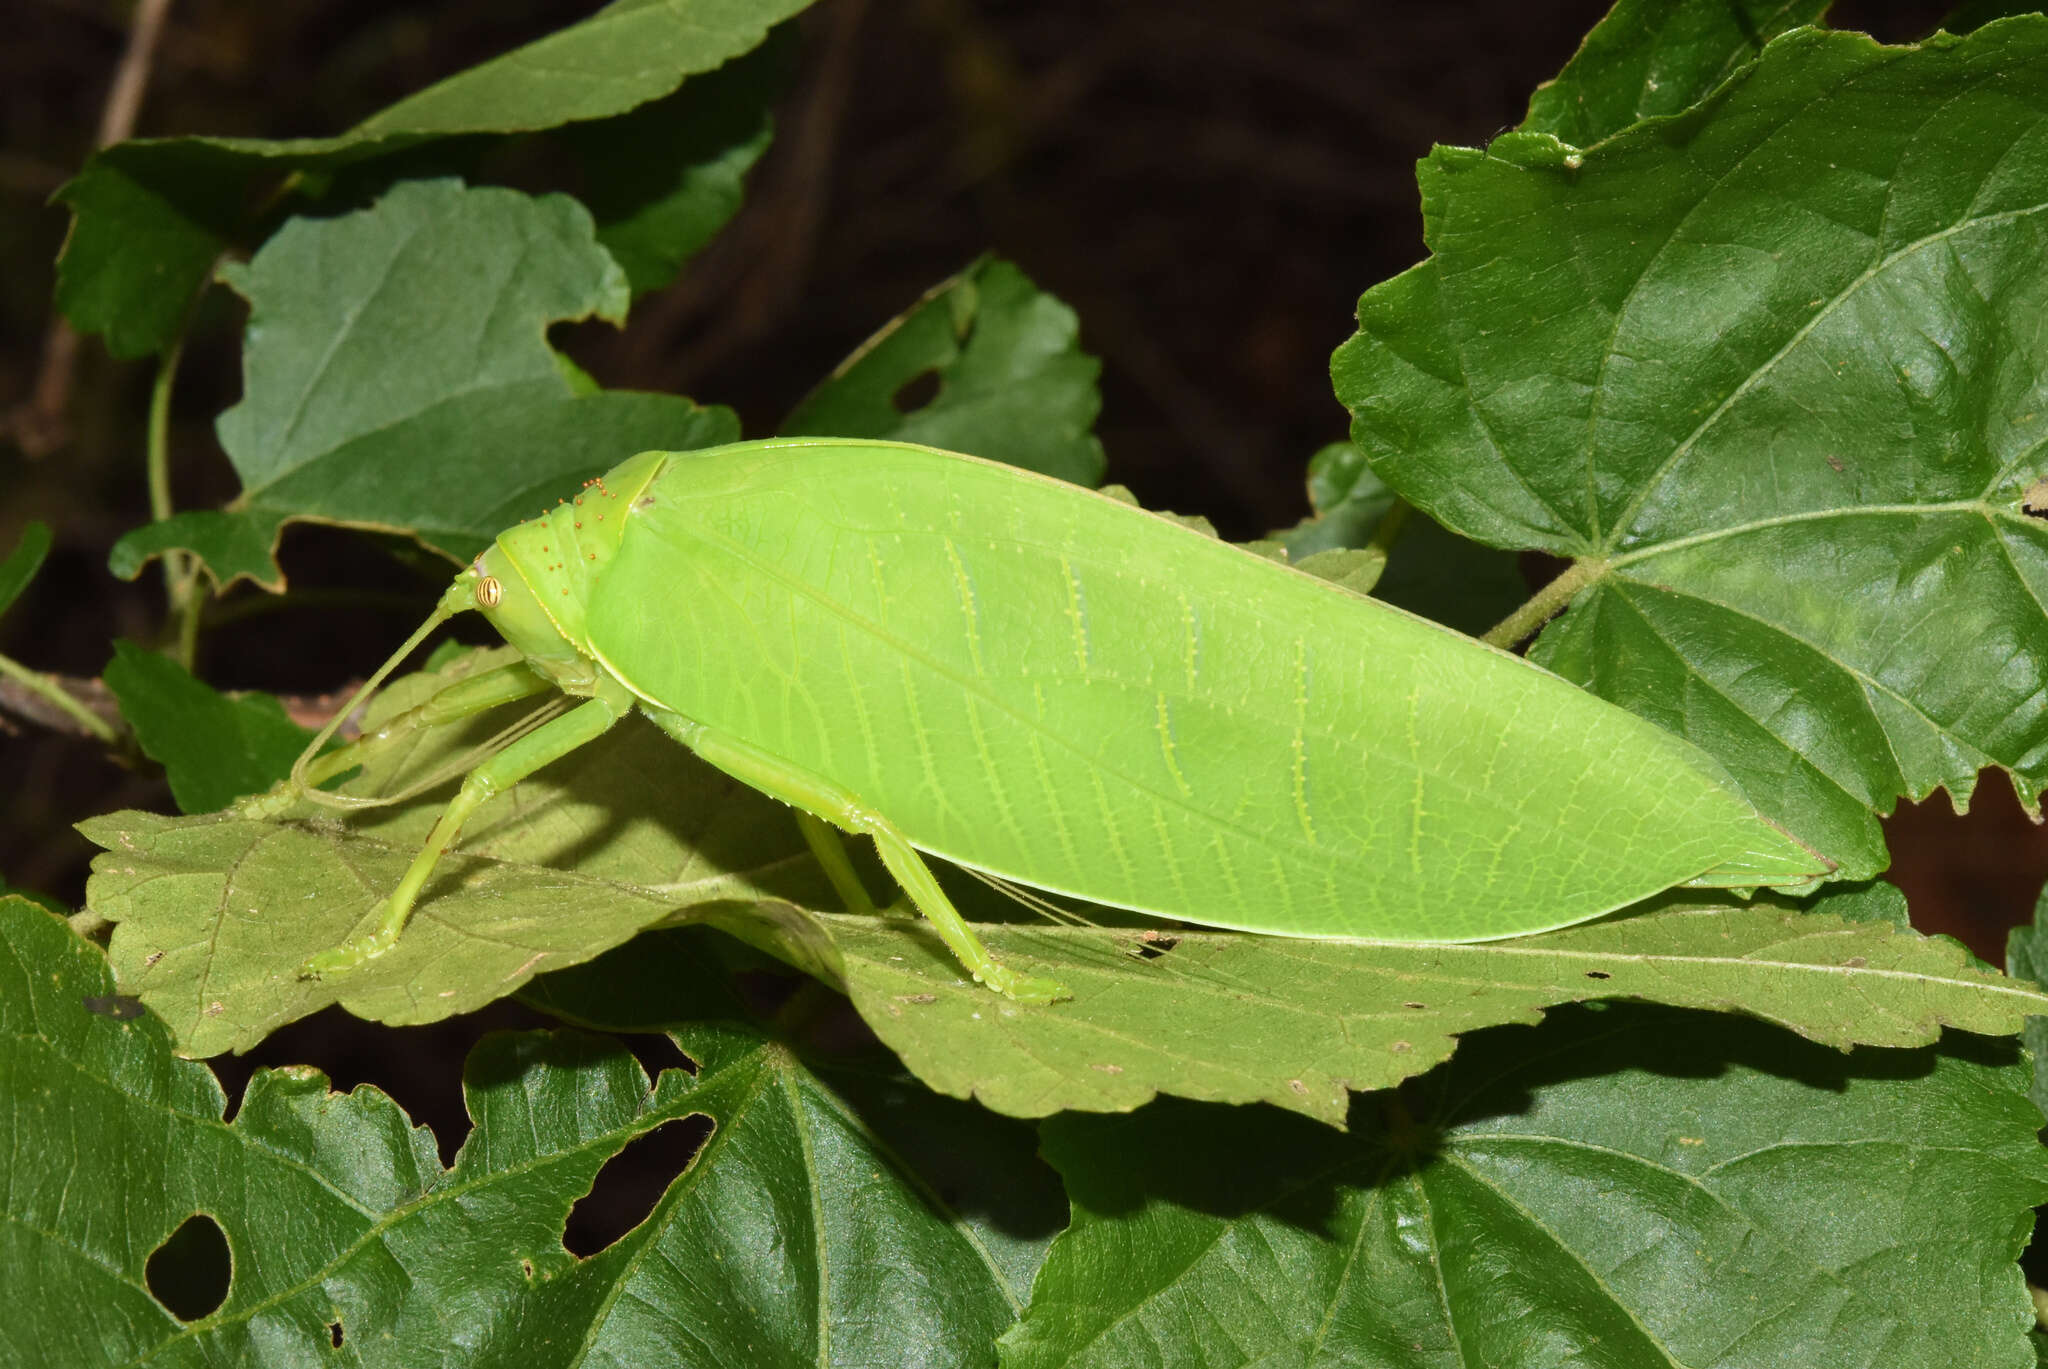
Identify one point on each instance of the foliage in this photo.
(1743, 324)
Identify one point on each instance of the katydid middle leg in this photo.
(819, 798)
(551, 741)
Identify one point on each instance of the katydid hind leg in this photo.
(814, 795)
(581, 725)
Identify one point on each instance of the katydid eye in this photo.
(488, 592)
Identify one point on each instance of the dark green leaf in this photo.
(1972, 15)
(1652, 57)
(1770, 370)
(213, 748)
(666, 177)
(982, 1166)
(23, 562)
(1429, 570)
(398, 376)
(795, 1235)
(1633, 1186)
(152, 216)
(1013, 383)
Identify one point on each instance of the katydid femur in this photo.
(1041, 683)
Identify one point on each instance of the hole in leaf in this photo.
(1598, 974)
(916, 392)
(334, 1334)
(656, 1053)
(189, 1272)
(631, 1183)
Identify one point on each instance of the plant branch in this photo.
(21, 689)
(1508, 633)
(38, 425)
(181, 569)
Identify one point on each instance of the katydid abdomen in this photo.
(1043, 683)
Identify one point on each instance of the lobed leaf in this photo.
(214, 748)
(398, 376)
(797, 1231)
(1013, 383)
(1772, 371)
(1629, 1186)
(151, 216)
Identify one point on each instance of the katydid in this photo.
(1043, 684)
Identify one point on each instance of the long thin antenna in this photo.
(1034, 902)
(454, 600)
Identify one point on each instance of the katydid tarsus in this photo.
(1038, 682)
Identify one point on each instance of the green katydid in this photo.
(1051, 687)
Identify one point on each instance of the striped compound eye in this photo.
(488, 592)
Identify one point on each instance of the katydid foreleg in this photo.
(581, 725)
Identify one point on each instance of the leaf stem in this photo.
(1389, 528)
(1509, 631)
(181, 573)
(47, 689)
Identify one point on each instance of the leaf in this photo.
(795, 1227)
(1634, 1186)
(23, 562)
(1429, 570)
(398, 376)
(150, 217)
(662, 180)
(1013, 383)
(213, 748)
(1654, 57)
(1770, 370)
(1232, 1018)
(217, 913)
(2026, 958)
(985, 1165)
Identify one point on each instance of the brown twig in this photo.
(39, 425)
(19, 702)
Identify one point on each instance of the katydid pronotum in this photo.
(1051, 687)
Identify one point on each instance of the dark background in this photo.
(1209, 184)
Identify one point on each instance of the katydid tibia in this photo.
(1040, 683)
